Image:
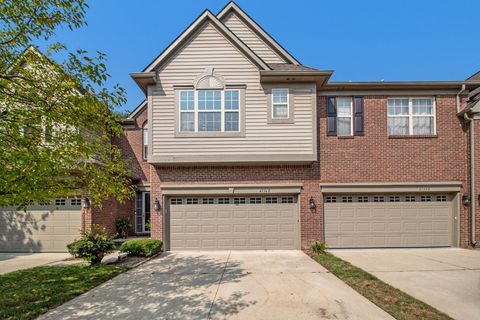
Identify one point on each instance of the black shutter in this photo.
(331, 116)
(358, 129)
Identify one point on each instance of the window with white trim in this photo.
(145, 140)
(344, 116)
(280, 104)
(209, 110)
(411, 116)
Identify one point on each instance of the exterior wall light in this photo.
(311, 204)
(156, 205)
(466, 200)
(86, 202)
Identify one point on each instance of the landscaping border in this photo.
(397, 303)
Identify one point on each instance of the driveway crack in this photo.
(218, 287)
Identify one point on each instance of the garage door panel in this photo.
(399, 223)
(234, 225)
(378, 227)
(40, 228)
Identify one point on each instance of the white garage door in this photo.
(234, 223)
(388, 220)
(42, 228)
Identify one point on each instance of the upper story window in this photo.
(280, 104)
(411, 116)
(344, 116)
(145, 140)
(209, 110)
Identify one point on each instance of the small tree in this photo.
(56, 119)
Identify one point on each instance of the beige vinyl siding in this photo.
(251, 39)
(209, 48)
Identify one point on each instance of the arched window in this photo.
(145, 140)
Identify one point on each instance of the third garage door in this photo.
(233, 223)
(417, 220)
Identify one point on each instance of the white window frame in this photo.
(411, 115)
(351, 116)
(274, 104)
(196, 111)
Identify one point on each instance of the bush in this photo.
(123, 226)
(142, 247)
(92, 246)
(318, 247)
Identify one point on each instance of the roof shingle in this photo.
(475, 77)
(289, 67)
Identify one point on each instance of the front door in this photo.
(142, 212)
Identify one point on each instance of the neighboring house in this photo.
(51, 225)
(239, 146)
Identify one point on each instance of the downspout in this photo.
(464, 88)
(472, 178)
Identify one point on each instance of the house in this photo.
(239, 146)
(245, 148)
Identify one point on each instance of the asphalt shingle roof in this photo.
(289, 67)
(475, 77)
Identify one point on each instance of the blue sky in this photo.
(360, 40)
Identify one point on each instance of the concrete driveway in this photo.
(223, 285)
(447, 279)
(15, 261)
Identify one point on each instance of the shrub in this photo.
(318, 247)
(123, 226)
(142, 247)
(92, 246)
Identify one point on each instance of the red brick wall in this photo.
(373, 157)
(132, 145)
(106, 215)
(377, 158)
(477, 184)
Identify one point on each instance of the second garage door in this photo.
(417, 220)
(41, 228)
(233, 223)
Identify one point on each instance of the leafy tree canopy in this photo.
(57, 119)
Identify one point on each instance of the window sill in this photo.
(281, 121)
(414, 137)
(345, 137)
(210, 134)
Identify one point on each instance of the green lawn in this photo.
(397, 303)
(25, 294)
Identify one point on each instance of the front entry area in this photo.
(243, 222)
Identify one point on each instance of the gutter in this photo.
(470, 121)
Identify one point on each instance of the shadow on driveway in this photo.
(175, 286)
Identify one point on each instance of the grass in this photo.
(397, 303)
(26, 294)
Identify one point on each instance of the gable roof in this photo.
(138, 110)
(196, 25)
(290, 67)
(474, 77)
(257, 29)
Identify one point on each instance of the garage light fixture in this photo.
(466, 200)
(156, 205)
(311, 204)
(86, 202)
